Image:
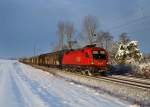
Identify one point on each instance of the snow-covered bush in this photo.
(128, 51)
(138, 70)
(142, 70)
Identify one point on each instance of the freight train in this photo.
(90, 60)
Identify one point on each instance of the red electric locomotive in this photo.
(90, 60)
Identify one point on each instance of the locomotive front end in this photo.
(100, 59)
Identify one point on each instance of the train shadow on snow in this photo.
(121, 69)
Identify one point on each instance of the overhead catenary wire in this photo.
(130, 22)
(145, 18)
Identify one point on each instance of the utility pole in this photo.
(142, 13)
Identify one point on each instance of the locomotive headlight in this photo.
(92, 62)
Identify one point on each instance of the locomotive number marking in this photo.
(78, 59)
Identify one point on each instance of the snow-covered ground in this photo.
(25, 86)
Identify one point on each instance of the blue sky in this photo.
(26, 23)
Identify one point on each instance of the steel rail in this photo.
(131, 78)
(139, 84)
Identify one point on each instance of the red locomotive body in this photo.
(89, 57)
(86, 56)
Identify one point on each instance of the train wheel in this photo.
(83, 72)
(66, 69)
(73, 69)
(89, 73)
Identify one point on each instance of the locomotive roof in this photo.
(85, 48)
(90, 46)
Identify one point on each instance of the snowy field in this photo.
(24, 86)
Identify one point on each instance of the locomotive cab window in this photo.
(99, 54)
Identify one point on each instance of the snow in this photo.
(129, 51)
(142, 69)
(24, 86)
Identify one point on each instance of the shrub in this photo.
(138, 70)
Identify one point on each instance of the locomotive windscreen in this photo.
(99, 54)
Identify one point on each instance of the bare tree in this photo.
(61, 31)
(105, 39)
(56, 47)
(90, 27)
(80, 38)
(100, 39)
(69, 30)
(146, 57)
(108, 39)
(124, 38)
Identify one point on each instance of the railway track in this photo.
(118, 79)
(132, 81)
(123, 80)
